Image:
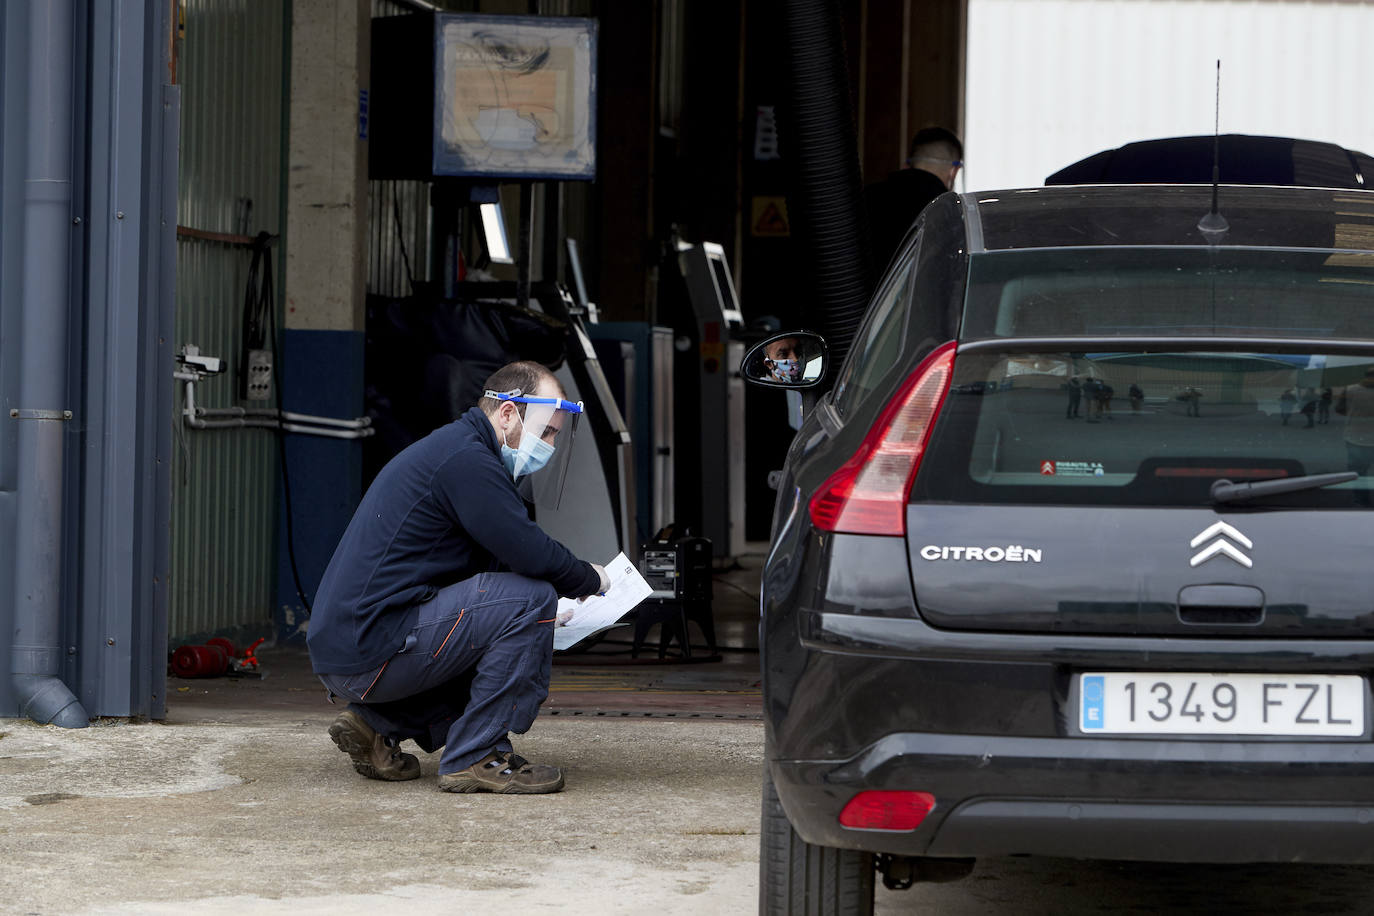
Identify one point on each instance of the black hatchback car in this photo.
(1076, 556)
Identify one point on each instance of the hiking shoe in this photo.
(505, 773)
(372, 755)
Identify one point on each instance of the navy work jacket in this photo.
(893, 205)
(441, 511)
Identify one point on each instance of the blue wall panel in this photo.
(322, 374)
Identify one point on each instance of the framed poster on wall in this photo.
(516, 96)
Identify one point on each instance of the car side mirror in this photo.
(793, 359)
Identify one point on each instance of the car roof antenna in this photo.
(1213, 225)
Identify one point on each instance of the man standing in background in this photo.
(933, 161)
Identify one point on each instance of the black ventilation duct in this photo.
(825, 202)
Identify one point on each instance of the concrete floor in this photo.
(217, 817)
(239, 802)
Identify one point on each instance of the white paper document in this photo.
(592, 615)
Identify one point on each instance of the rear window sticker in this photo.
(1071, 468)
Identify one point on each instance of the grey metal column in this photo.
(119, 502)
(36, 653)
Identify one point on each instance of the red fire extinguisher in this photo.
(217, 657)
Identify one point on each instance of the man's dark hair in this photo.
(936, 143)
(525, 376)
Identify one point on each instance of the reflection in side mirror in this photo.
(795, 359)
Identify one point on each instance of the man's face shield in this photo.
(537, 435)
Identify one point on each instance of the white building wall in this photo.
(1050, 82)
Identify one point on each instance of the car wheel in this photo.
(797, 877)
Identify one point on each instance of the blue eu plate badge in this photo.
(1093, 692)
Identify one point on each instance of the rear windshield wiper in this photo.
(1224, 491)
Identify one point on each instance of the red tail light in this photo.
(876, 810)
(868, 494)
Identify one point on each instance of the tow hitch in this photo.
(900, 872)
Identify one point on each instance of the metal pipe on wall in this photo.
(262, 423)
(274, 414)
(36, 654)
(267, 418)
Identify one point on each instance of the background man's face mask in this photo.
(788, 370)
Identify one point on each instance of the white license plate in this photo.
(1220, 704)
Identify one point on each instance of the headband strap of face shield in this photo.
(544, 444)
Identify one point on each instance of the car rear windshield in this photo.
(1149, 428)
(1170, 292)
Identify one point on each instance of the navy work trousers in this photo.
(475, 668)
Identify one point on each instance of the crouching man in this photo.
(413, 623)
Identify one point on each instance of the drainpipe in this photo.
(36, 654)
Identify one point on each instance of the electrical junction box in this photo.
(257, 376)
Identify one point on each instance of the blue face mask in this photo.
(521, 460)
(529, 456)
(787, 369)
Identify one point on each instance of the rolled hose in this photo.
(826, 199)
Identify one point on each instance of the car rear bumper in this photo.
(1174, 800)
(987, 723)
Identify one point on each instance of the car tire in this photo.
(796, 877)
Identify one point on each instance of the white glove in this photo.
(602, 586)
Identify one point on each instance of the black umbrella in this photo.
(1243, 159)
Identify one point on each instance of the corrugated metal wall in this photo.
(398, 236)
(398, 229)
(230, 66)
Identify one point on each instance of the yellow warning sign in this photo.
(769, 217)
